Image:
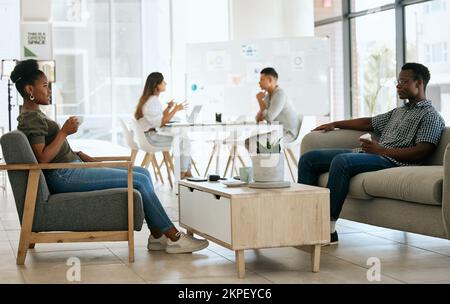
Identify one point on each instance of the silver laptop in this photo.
(194, 114)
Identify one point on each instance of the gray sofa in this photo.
(413, 199)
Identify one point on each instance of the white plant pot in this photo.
(268, 167)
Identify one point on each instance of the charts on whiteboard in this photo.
(224, 76)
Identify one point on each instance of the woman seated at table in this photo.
(49, 144)
(151, 116)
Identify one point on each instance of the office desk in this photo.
(178, 130)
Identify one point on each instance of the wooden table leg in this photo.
(315, 258)
(240, 263)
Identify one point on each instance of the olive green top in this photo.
(39, 129)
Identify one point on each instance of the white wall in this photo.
(10, 49)
(33, 10)
(271, 18)
(298, 17)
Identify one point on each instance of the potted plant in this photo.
(268, 163)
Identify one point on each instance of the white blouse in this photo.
(153, 114)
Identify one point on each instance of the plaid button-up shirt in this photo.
(406, 126)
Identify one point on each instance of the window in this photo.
(361, 5)
(373, 48)
(324, 9)
(428, 44)
(436, 53)
(435, 6)
(97, 47)
(333, 31)
(373, 64)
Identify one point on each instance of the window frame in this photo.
(346, 17)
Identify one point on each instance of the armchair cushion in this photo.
(102, 210)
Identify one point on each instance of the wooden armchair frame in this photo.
(28, 238)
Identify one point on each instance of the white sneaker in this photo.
(185, 244)
(157, 244)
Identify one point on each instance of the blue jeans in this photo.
(91, 179)
(342, 165)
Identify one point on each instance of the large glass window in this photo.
(333, 31)
(324, 9)
(373, 64)
(361, 5)
(428, 44)
(373, 50)
(97, 47)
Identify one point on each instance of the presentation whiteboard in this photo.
(224, 76)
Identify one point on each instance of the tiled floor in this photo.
(404, 257)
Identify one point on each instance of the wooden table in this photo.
(244, 218)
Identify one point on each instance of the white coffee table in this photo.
(244, 218)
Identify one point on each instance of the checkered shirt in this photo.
(406, 126)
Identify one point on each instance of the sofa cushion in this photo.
(414, 184)
(356, 189)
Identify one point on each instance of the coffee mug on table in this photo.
(246, 174)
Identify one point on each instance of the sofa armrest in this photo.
(49, 166)
(446, 191)
(337, 139)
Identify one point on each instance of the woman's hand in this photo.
(170, 105)
(70, 126)
(86, 158)
(181, 106)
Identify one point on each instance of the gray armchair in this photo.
(105, 215)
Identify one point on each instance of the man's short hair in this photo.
(420, 72)
(270, 72)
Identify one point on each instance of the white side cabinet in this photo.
(208, 212)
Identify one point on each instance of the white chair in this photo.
(231, 141)
(307, 124)
(129, 138)
(128, 135)
(150, 151)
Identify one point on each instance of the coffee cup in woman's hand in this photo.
(70, 126)
(79, 119)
